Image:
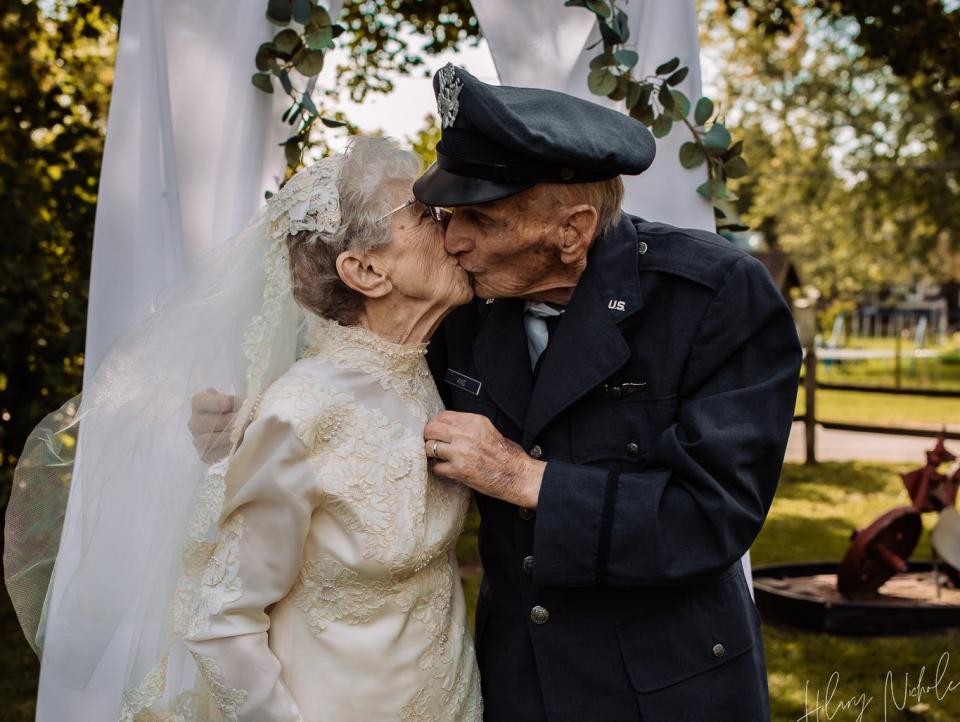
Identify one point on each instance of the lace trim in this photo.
(226, 699)
(401, 368)
(135, 701)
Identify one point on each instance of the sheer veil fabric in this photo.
(148, 502)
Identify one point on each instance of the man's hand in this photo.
(211, 419)
(470, 450)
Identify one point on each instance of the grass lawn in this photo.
(885, 409)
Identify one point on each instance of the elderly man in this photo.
(620, 396)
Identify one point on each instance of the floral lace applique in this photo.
(401, 368)
(226, 699)
(202, 594)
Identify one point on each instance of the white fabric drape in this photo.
(546, 48)
(191, 147)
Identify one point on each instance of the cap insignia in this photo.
(448, 99)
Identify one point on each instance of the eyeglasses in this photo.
(440, 214)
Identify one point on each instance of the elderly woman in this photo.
(317, 578)
(336, 593)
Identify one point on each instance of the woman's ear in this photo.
(364, 274)
(578, 229)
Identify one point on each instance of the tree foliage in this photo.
(56, 71)
(857, 173)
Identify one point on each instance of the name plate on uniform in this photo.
(462, 381)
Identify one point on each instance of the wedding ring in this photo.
(435, 454)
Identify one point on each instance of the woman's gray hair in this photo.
(372, 169)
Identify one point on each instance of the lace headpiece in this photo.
(309, 201)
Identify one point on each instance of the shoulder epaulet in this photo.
(693, 254)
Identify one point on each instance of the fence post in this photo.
(810, 403)
(898, 343)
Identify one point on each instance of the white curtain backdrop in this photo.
(191, 147)
(546, 48)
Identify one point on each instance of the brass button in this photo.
(527, 565)
(539, 615)
(642, 247)
(633, 448)
(536, 452)
(718, 650)
(525, 513)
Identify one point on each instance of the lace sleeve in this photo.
(271, 491)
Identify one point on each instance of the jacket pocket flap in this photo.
(695, 630)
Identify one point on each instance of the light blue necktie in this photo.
(536, 327)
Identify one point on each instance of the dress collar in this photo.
(360, 348)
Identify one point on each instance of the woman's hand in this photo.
(470, 450)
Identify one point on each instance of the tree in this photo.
(854, 175)
(55, 79)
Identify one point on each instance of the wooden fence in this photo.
(810, 385)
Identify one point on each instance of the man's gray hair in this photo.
(373, 168)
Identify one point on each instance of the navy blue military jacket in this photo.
(662, 407)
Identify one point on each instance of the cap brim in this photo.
(438, 187)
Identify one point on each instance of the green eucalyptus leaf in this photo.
(681, 105)
(301, 11)
(717, 139)
(338, 30)
(662, 125)
(291, 151)
(692, 155)
(286, 41)
(279, 11)
(320, 16)
(308, 62)
(266, 58)
(668, 67)
(666, 98)
(599, 7)
(575, 4)
(736, 167)
(678, 77)
(621, 27)
(604, 60)
(733, 227)
(318, 37)
(601, 82)
(285, 81)
(330, 123)
(633, 94)
(608, 35)
(261, 81)
(735, 150)
(703, 111)
(627, 58)
(716, 190)
(307, 103)
(623, 85)
(643, 112)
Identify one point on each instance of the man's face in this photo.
(509, 247)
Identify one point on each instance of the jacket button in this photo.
(642, 247)
(527, 565)
(539, 615)
(633, 448)
(718, 650)
(525, 513)
(536, 452)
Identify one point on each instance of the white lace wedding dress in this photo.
(333, 592)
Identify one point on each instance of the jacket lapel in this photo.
(588, 345)
(503, 362)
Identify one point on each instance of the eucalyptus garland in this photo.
(308, 32)
(654, 101)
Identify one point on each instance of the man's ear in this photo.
(578, 228)
(364, 274)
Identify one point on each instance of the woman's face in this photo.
(419, 266)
